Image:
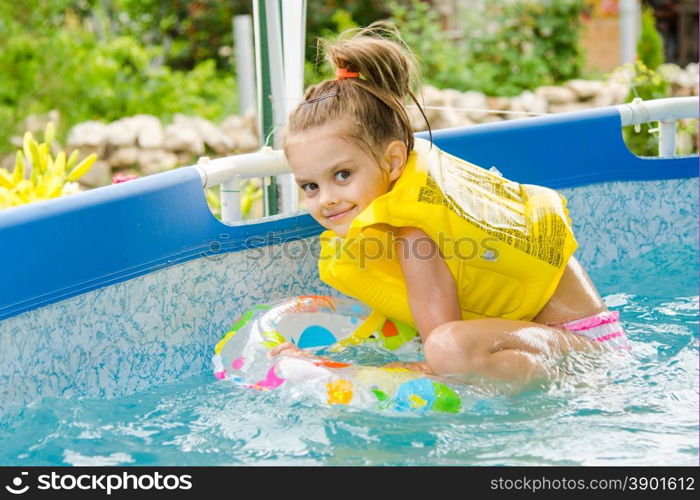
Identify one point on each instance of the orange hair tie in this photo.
(341, 73)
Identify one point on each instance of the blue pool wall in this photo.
(127, 286)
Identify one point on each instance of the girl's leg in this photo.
(509, 350)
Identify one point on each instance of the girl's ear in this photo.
(395, 156)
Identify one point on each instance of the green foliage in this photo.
(645, 83)
(439, 56)
(323, 18)
(195, 30)
(66, 67)
(192, 31)
(318, 70)
(503, 48)
(250, 194)
(650, 47)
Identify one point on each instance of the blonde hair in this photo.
(370, 108)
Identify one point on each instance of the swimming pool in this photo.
(107, 337)
(637, 410)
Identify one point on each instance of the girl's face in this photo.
(338, 178)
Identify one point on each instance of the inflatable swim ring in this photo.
(326, 324)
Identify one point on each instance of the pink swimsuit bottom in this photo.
(603, 327)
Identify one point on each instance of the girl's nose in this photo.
(328, 198)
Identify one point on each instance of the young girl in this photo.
(502, 312)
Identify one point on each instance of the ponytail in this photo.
(370, 107)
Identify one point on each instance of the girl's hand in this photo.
(415, 366)
(288, 349)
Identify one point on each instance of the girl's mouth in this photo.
(338, 215)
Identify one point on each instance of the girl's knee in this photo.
(450, 348)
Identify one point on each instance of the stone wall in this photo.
(465, 108)
(142, 145)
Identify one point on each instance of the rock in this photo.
(152, 161)
(150, 132)
(100, 174)
(492, 118)
(450, 97)
(528, 102)
(433, 115)
(432, 96)
(682, 90)
(183, 137)
(683, 81)
(124, 157)
(250, 122)
(36, 123)
(231, 124)
(669, 71)
(246, 141)
(8, 162)
(692, 74)
(185, 158)
(556, 95)
(212, 136)
(90, 133)
(619, 91)
(498, 103)
(476, 103)
(585, 89)
(122, 132)
(569, 106)
(688, 81)
(417, 121)
(450, 118)
(606, 97)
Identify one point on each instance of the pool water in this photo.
(612, 409)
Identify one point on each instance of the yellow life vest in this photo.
(506, 244)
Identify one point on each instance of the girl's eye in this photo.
(342, 175)
(309, 187)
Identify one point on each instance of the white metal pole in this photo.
(278, 75)
(294, 36)
(231, 201)
(658, 110)
(265, 112)
(667, 138)
(294, 25)
(245, 63)
(276, 68)
(263, 163)
(629, 30)
(229, 191)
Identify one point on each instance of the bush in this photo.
(650, 47)
(504, 47)
(646, 83)
(68, 69)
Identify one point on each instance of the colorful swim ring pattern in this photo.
(322, 323)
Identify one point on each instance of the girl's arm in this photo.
(432, 291)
